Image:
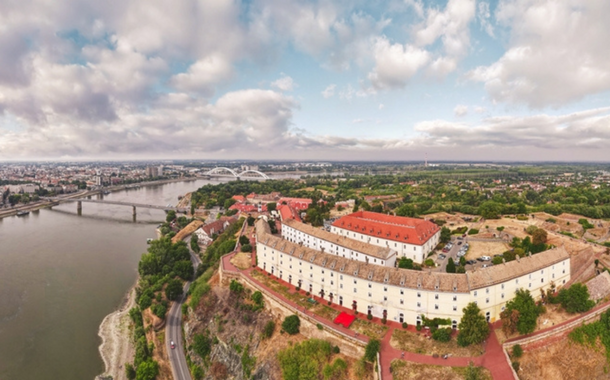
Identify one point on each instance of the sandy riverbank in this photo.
(117, 347)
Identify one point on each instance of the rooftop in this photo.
(396, 228)
(342, 241)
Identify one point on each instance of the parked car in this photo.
(459, 243)
(471, 262)
(172, 344)
(480, 259)
(486, 258)
(486, 265)
(441, 256)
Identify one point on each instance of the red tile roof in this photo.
(239, 198)
(297, 203)
(396, 228)
(287, 212)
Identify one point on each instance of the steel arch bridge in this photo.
(220, 169)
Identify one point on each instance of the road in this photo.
(173, 329)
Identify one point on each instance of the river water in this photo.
(61, 274)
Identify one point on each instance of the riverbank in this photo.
(117, 347)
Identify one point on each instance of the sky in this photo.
(464, 80)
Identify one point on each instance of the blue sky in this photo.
(283, 79)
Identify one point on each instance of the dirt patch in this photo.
(404, 370)
(369, 329)
(242, 260)
(564, 360)
(485, 248)
(554, 315)
(421, 344)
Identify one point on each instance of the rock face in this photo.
(228, 319)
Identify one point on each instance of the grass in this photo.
(420, 344)
(372, 330)
(403, 370)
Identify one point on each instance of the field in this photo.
(421, 344)
(485, 248)
(404, 370)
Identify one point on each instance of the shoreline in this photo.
(117, 347)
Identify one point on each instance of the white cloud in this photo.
(203, 76)
(395, 64)
(479, 109)
(285, 83)
(484, 15)
(329, 91)
(381, 106)
(557, 54)
(357, 121)
(460, 110)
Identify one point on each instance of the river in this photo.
(61, 274)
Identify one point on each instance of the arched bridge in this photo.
(133, 205)
(220, 170)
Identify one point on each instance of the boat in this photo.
(22, 213)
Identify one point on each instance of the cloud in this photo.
(329, 91)
(557, 53)
(203, 76)
(285, 83)
(460, 110)
(395, 64)
(483, 15)
(381, 106)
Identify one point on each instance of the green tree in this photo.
(257, 297)
(490, 210)
(291, 324)
(371, 350)
(473, 372)
(173, 290)
(236, 287)
(442, 334)
(405, 263)
(528, 312)
(450, 266)
(445, 235)
(268, 330)
(243, 240)
(130, 372)
(171, 215)
(251, 221)
(462, 260)
(202, 345)
(473, 326)
(496, 260)
(272, 206)
(246, 248)
(147, 370)
(575, 299)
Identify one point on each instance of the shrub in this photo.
(257, 297)
(336, 350)
(442, 335)
(429, 263)
(384, 321)
(501, 228)
(159, 310)
(473, 231)
(268, 330)
(236, 287)
(369, 316)
(371, 350)
(497, 260)
(575, 299)
(418, 327)
(319, 326)
(243, 240)
(551, 220)
(291, 324)
(246, 248)
(517, 351)
(405, 325)
(516, 366)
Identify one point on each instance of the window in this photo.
(311, 275)
(355, 282)
(370, 295)
(402, 302)
(300, 271)
(419, 304)
(385, 298)
(502, 286)
(436, 296)
(455, 298)
(385, 288)
(487, 290)
(475, 293)
(402, 292)
(530, 284)
(340, 277)
(418, 294)
(455, 308)
(542, 280)
(331, 282)
(340, 286)
(355, 291)
(370, 286)
(486, 300)
(502, 295)
(435, 307)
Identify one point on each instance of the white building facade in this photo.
(403, 295)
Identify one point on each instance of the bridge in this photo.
(252, 173)
(79, 206)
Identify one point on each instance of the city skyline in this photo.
(456, 80)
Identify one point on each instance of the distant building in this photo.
(152, 171)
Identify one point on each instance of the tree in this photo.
(371, 350)
(130, 372)
(445, 235)
(473, 326)
(243, 240)
(405, 263)
(525, 321)
(272, 206)
(496, 260)
(251, 221)
(291, 324)
(236, 287)
(472, 372)
(173, 290)
(147, 370)
(539, 236)
(246, 248)
(462, 261)
(450, 266)
(490, 210)
(442, 334)
(171, 215)
(575, 299)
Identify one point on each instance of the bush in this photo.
(371, 350)
(429, 263)
(517, 351)
(159, 310)
(268, 330)
(319, 326)
(173, 290)
(243, 240)
(257, 297)
(246, 248)
(291, 324)
(384, 321)
(336, 350)
(473, 231)
(405, 325)
(236, 287)
(516, 366)
(369, 316)
(575, 299)
(442, 335)
(497, 260)
(418, 327)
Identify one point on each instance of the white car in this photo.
(485, 258)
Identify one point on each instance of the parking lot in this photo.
(459, 246)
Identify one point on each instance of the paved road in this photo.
(173, 329)
(173, 332)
